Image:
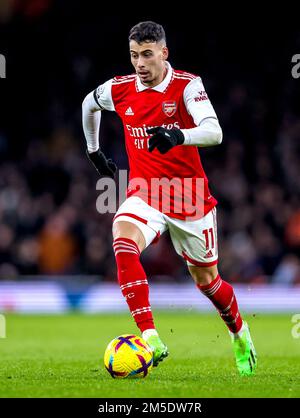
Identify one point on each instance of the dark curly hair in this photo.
(147, 32)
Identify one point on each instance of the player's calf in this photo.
(223, 297)
(133, 282)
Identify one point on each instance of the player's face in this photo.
(149, 61)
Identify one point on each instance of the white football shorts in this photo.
(195, 241)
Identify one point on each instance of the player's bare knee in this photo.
(203, 275)
(123, 229)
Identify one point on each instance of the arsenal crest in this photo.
(169, 107)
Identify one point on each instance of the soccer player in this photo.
(166, 115)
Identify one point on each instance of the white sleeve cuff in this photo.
(207, 134)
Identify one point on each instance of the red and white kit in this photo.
(179, 101)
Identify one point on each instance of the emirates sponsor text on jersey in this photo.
(139, 133)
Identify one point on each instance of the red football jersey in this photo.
(174, 183)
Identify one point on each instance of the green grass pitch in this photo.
(62, 356)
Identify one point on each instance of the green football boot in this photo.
(245, 354)
(160, 350)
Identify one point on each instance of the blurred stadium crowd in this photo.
(48, 219)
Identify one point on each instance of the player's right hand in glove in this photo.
(105, 167)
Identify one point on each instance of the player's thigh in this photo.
(138, 221)
(196, 241)
(125, 229)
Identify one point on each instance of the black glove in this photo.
(164, 139)
(105, 167)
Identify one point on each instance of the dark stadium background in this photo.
(57, 52)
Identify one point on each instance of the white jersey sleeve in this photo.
(94, 102)
(197, 102)
(103, 96)
(208, 131)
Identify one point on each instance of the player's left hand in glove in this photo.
(105, 167)
(164, 139)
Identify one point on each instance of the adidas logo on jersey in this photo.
(129, 112)
(209, 254)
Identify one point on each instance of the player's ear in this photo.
(165, 52)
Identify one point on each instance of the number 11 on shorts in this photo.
(209, 238)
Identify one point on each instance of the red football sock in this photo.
(222, 296)
(133, 282)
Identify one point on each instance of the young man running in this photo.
(166, 116)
